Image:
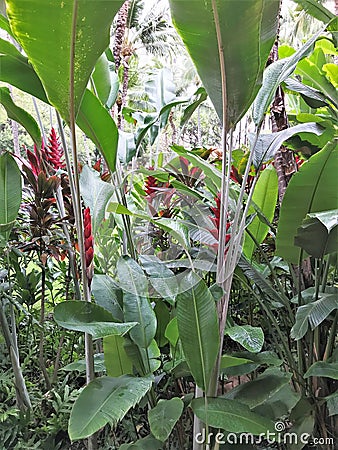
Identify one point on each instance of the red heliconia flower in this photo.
(150, 185)
(216, 220)
(89, 243)
(54, 151)
(97, 165)
(299, 161)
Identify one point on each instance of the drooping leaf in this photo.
(323, 369)
(108, 295)
(96, 122)
(116, 359)
(20, 116)
(10, 194)
(265, 197)
(313, 314)
(274, 75)
(96, 194)
(89, 318)
(201, 96)
(230, 415)
(136, 305)
(198, 329)
(163, 417)
(316, 238)
(312, 189)
(80, 365)
(197, 24)
(311, 96)
(105, 400)
(251, 338)
(62, 29)
(268, 144)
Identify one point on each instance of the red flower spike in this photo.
(150, 185)
(54, 152)
(89, 244)
(216, 221)
(97, 165)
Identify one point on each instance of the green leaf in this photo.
(261, 389)
(274, 75)
(198, 329)
(268, 144)
(89, 318)
(61, 29)
(20, 116)
(201, 95)
(116, 359)
(251, 338)
(316, 9)
(147, 443)
(96, 194)
(80, 365)
(331, 71)
(316, 238)
(313, 313)
(332, 404)
(196, 23)
(136, 305)
(230, 415)
(161, 91)
(108, 295)
(10, 194)
(312, 97)
(102, 79)
(312, 189)
(127, 147)
(163, 280)
(117, 208)
(163, 417)
(233, 361)
(4, 24)
(323, 369)
(265, 197)
(257, 360)
(105, 400)
(96, 122)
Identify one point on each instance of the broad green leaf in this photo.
(196, 22)
(162, 279)
(117, 208)
(102, 79)
(108, 295)
(251, 338)
(62, 29)
(323, 369)
(312, 189)
(161, 91)
(80, 365)
(20, 116)
(230, 415)
(268, 144)
(147, 443)
(265, 197)
(136, 305)
(332, 404)
(4, 24)
(316, 238)
(232, 361)
(274, 75)
(105, 400)
(331, 71)
(10, 194)
(261, 389)
(89, 318)
(116, 359)
(316, 9)
(171, 332)
(163, 417)
(163, 318)
(279, 404)
(96, 122)
(198, 329)
(313, 313)
(96, 194)
(201, 95)
(312, 97)
(257, 359)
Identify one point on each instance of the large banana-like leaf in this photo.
(247, 28)
(312, 189)
(198, 329)
(20, 116)
(62, 42)
(105, 400)
(230, 415)
(265, 197)
(136, 305)
(10, 194)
